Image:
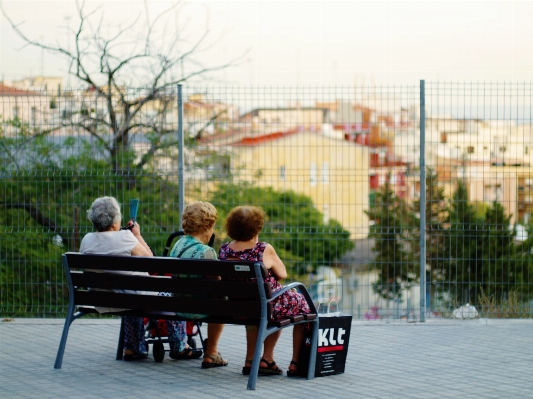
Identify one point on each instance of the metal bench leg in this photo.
(261, 336)
(312, 355)
(63, 343)
(198, 324)
(120, 346)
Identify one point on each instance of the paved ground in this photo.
(437, 359)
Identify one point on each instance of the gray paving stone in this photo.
(438, 359)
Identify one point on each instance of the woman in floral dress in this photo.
(243, 225)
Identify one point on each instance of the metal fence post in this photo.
(181, 184)
(422, 201)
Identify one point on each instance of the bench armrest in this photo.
(302, 290)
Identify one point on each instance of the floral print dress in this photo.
(290, 303)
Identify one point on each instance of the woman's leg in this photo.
(134, 341)
(177, 335)
(297, 341)
(268, 348)
(214, 331)
(251, 339)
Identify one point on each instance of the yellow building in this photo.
(332, 172)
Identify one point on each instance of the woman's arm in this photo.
(273, 262)
(142, 248)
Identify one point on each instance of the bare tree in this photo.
(110, 59)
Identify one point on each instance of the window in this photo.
(325, 172)
(326, 213)
(470, 150)
(374, 182)
(526, 150)
(492, 192)
(282, 173)
(313, 174)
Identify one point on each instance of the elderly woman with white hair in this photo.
(109, 239)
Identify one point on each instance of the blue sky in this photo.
(311, 42)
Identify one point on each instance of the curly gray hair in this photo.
(104, 212)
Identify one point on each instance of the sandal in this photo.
(128, 357)
(217, 362)
(270, 369)
(246, 370)
(186, 354)
(293, 373)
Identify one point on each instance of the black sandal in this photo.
(134, 356)
(270, 369)
(293, 373)
(246, 370)
(187, 354)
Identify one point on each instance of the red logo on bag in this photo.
(329, 339)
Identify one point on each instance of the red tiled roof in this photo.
(12, 91)
(252, 141)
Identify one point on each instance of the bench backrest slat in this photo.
(234, 269)
(110, 281)
(220, 307)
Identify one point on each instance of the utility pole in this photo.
(42, 57)
(67, 18)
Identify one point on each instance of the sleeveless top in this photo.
(291, 303)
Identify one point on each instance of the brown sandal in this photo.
(270, 369)
(217, 362)
(293, 373)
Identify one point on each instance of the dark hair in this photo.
(104, 212)
(245, 222)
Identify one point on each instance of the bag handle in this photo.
(324, 300)
(329, 304)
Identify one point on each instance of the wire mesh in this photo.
(478, 141)
(337, 170)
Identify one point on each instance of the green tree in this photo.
(391, 231)
(45, 216)
(294, 226)
(524, 262)
(498, 266)
(484, 258)
(464, 233)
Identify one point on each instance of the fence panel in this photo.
(479, 198)
(337, 170)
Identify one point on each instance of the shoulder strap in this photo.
(186, 248)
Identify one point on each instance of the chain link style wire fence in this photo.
(337, 170)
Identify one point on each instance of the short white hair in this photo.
(104, 212)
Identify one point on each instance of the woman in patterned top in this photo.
(198, 223)
(243, 225)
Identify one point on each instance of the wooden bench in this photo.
(230, 300)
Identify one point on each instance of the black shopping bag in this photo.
(333, 340)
